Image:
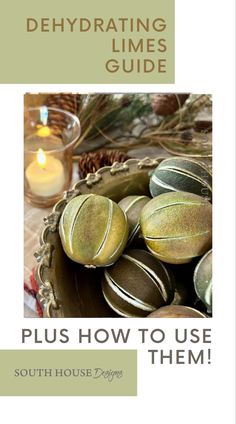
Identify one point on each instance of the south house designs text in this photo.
(137, 45)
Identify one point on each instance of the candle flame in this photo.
(41, 158)
(43, 131)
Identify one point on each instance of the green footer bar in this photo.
(68, 372)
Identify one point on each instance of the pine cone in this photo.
(167, 104)
(91, 162)
(66, 101)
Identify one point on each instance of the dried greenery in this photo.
(173, 133)
(104, 111)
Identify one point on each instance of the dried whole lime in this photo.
(137, 284)
(93, 230)
(181, 174)
(203, 280)
(177, 226)
(176, 311)
(132, 206)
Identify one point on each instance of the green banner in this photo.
(68, 372)
(87, 41)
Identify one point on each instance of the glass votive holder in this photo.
(49, 138)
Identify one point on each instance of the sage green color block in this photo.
(42, 42)
(101, 372)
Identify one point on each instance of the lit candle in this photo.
(45, 175)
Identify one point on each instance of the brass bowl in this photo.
(68, 289)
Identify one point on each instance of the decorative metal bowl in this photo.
(68, 289)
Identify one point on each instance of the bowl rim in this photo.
(46, 295)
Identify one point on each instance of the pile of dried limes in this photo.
(149, 247)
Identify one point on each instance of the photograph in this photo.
(118, 205)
